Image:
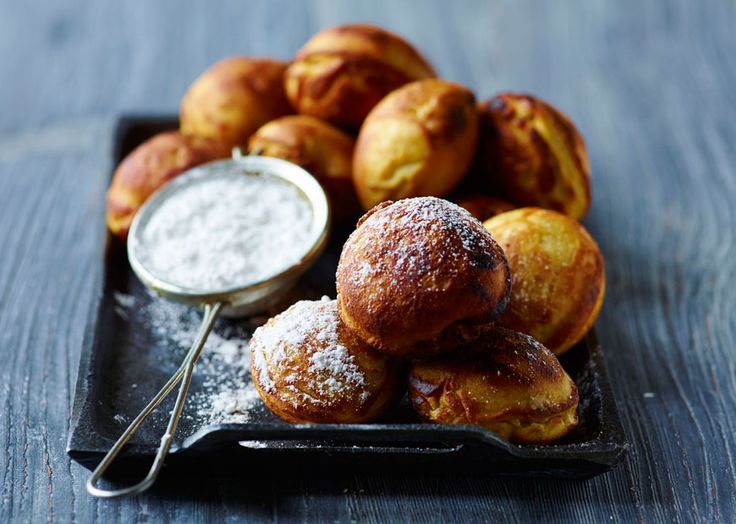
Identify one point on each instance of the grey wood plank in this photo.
(652, 86)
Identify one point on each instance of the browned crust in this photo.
(149, 167)
(441, 120)
(292, 391)
(320, 148)
(343, 72)
(373, 41)
(444, 110)
(343, 92)
(233, 98)
(532, 154)
(504, 381)
(555, 301)
(418, 290)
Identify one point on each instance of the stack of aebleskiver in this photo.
(420, 283)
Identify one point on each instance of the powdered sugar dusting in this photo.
(307, 327)
(337, 364)
(414, 228)
(227, 231)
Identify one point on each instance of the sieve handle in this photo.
(211, 312)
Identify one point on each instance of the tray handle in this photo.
(306, 438)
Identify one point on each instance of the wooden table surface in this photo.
(652, 86)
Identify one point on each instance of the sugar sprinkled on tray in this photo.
(223, 389)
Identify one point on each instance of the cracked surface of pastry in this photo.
(558, 276)
(505, 381)
(341, 73)
(533, 155)
(419, 276)
(309, 368)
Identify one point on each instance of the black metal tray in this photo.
(125, 359)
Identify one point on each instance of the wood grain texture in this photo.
(652, 86)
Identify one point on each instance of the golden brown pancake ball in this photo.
(233, 98)
(558, 275)
(150, 166)
(532, 154)
(484, 207)
(505, 381)
(320, 148)
(419, 276)
(418, 141)
(309, 367)
(342, 72)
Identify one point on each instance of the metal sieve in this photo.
(236, 301)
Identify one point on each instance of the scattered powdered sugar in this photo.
(222, 390)
(227, 230)
(230, 352)
(233, 405)
(309, 327)
(430, 214)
